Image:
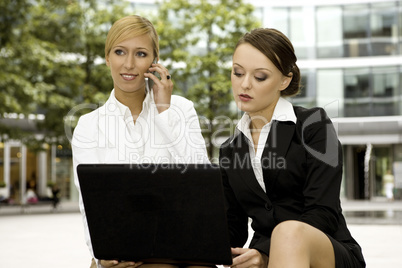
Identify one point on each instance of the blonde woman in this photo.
(141, 122)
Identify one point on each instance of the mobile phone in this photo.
(150, 81)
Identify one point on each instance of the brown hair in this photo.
(128, 27)
(279, 50)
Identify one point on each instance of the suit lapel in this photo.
(274, 154)
(241, 158)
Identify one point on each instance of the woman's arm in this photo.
(236, 217)
(84, 150)
(180, 130)
(324, 172)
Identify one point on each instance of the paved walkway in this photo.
(38, 238)
(43, 241)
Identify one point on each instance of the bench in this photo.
(4, 204)
(41, 203)
(25, 208)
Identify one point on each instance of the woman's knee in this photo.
(291, 235)
(290, 228)
(304, 239)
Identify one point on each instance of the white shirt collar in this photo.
(283, 112)
(124, 110)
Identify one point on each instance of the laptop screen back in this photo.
(156, 211)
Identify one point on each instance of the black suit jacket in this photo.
(302, 170)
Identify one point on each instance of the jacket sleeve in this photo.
(236, 216)
(324, 172)
(180, 130)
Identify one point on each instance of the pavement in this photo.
(46, 238)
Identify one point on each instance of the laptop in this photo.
(170, 213)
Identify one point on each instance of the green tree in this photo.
(200, 36)
(79, 29)
(14, 46)
(24, 62)
(51, 60)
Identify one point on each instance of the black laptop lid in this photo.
(156, 211)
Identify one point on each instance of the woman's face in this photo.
(128, 61)
(256, 82)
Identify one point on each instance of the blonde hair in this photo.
(129, 27)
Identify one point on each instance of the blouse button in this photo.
(268, 206)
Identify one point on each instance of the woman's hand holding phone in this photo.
(162, 87)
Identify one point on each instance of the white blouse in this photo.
(109, 135)
(283, 112)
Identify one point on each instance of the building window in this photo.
(280, 20)
(399, 9)
(384, 29)
(385, 82)
(370, 30)
(304, 86)
(357, 92)
(329, 90)
(356, 30)
(306, 97)
(385, 91)
(357, 83)
(372, 92)
(329, 32)
(399, 94)
(300, 31)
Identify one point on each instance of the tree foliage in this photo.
(197, 40)
(52, 58)
(50, 53)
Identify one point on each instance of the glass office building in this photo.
(350, 56)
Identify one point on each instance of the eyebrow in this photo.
(138, 48)
(258, 69)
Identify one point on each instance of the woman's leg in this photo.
(93, 263)
(295, 244)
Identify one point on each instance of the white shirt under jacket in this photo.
(283, 112)
(109, 135)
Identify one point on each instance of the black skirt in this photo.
(346, 255)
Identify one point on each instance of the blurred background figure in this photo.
(388, 185)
